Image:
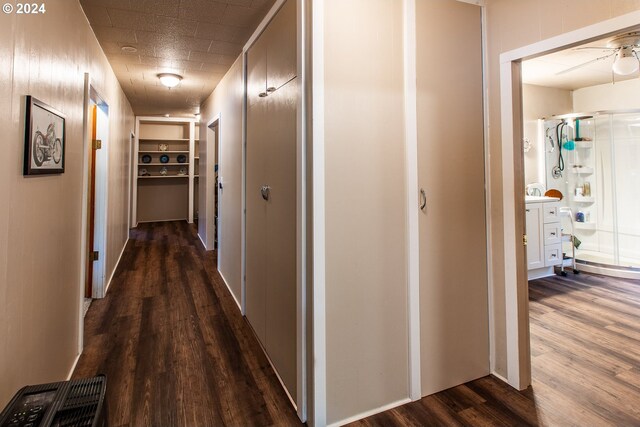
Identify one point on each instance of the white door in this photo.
(453, 273)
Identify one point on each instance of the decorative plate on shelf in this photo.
(143, 172)
(164, 159)
(163, 147)
(182, 171)
(163, 171)
(146, 158)
(182, 158)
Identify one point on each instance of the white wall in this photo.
(365, 199)
(41, 217)
(226, 101)
(620, 96)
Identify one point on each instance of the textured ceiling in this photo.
(198, 39)
(542, 71)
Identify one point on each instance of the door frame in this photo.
(93, 97)
(101, 200)
(211, 148)
(90, 95)
(132, 162)
(515, 268)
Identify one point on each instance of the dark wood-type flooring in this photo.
(585, 348)
(173, 344)
(177, 352)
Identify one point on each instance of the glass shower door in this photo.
(625, 171)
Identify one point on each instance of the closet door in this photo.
(453, 274)
(282, 46)
(281, 234)
(257, 71)
(256, 177)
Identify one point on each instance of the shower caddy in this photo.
(570, 238)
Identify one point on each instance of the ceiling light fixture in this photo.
(169, 80)
(129, 49)
(626, 61)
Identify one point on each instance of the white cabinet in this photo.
(544, 237)
(535, 248)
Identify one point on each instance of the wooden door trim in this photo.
(91, 200)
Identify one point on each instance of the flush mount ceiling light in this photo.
(169, 80)
(622, 49)
(626, 61)
(129, 49)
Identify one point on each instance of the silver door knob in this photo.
(265, 190)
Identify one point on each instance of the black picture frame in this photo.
(45, 139)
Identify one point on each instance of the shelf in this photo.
(585, 225)
(164, 140)
(584, 144)
(163, 152)
(582, 170)
(197, 158)
(163, 176)
(583, 199)
(162, 164)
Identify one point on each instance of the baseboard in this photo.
(230, 291)
(164, 220)
(203, 243)
(73, 366)
(371, 412)
(500, 377)
(115, 267)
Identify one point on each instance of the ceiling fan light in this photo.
(169, 80)
(626, 62)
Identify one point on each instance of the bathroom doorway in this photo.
(582, 144)
(513, 184)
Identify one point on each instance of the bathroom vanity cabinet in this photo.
(544, 236)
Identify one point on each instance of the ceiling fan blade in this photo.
(597, 47)
(584, 64)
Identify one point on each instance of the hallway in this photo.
(172, 342)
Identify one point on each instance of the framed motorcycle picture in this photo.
(44, 141)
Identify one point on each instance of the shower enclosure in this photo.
(594, 161)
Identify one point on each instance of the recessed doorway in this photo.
(513, 144)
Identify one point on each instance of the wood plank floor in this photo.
(172, 342)
(585, 345)
(177, 352)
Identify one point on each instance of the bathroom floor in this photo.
(585, 349)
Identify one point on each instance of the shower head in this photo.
(550, 139)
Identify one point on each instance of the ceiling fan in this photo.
(624, 47)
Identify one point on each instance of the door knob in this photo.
(423, 199)
(265, 190)
(262, 94)
(271, 89)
